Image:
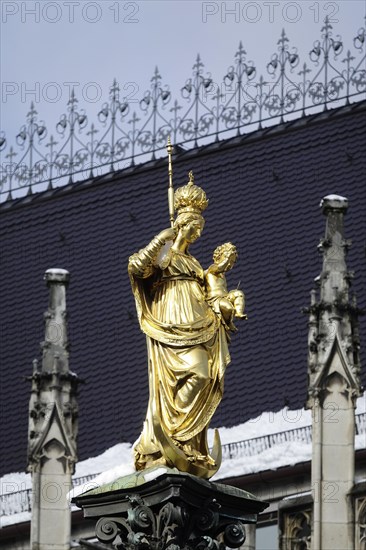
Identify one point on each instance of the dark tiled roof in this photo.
(264, 192)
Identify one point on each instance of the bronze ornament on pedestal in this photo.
(164, 509)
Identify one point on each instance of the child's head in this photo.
(225, 251)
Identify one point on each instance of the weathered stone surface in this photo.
(53, 425)
(334, 384)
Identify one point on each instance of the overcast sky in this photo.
(47, 45)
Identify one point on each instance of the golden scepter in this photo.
(169, 149)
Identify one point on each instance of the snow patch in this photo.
(14, 482)
(265, 424)
(114, 463)
(155, 473)
(118, 454)
(20, 517)
(361, 404)
(283, 454)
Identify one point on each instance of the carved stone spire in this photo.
(333, 316)
(334, 384)
(52, 450)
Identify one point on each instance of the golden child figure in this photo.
(227, 304)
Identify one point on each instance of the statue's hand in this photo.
(213, 269)
(167, 234)
(223, 266)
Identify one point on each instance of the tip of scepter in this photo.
(169, 146)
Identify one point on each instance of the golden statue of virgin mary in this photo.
(187, 344)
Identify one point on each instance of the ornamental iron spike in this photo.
(208, 111)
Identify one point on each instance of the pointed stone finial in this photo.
(334, 280)
(333, 317)
(54, 387)
(53, 422)
(56, 340)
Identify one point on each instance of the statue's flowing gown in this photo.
(187, 351)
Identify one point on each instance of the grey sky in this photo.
(47, 45)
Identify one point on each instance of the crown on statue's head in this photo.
(190, 198)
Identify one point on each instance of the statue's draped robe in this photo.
(187, 351)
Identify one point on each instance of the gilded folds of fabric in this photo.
(187, 348)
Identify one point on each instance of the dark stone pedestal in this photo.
(164, 509)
